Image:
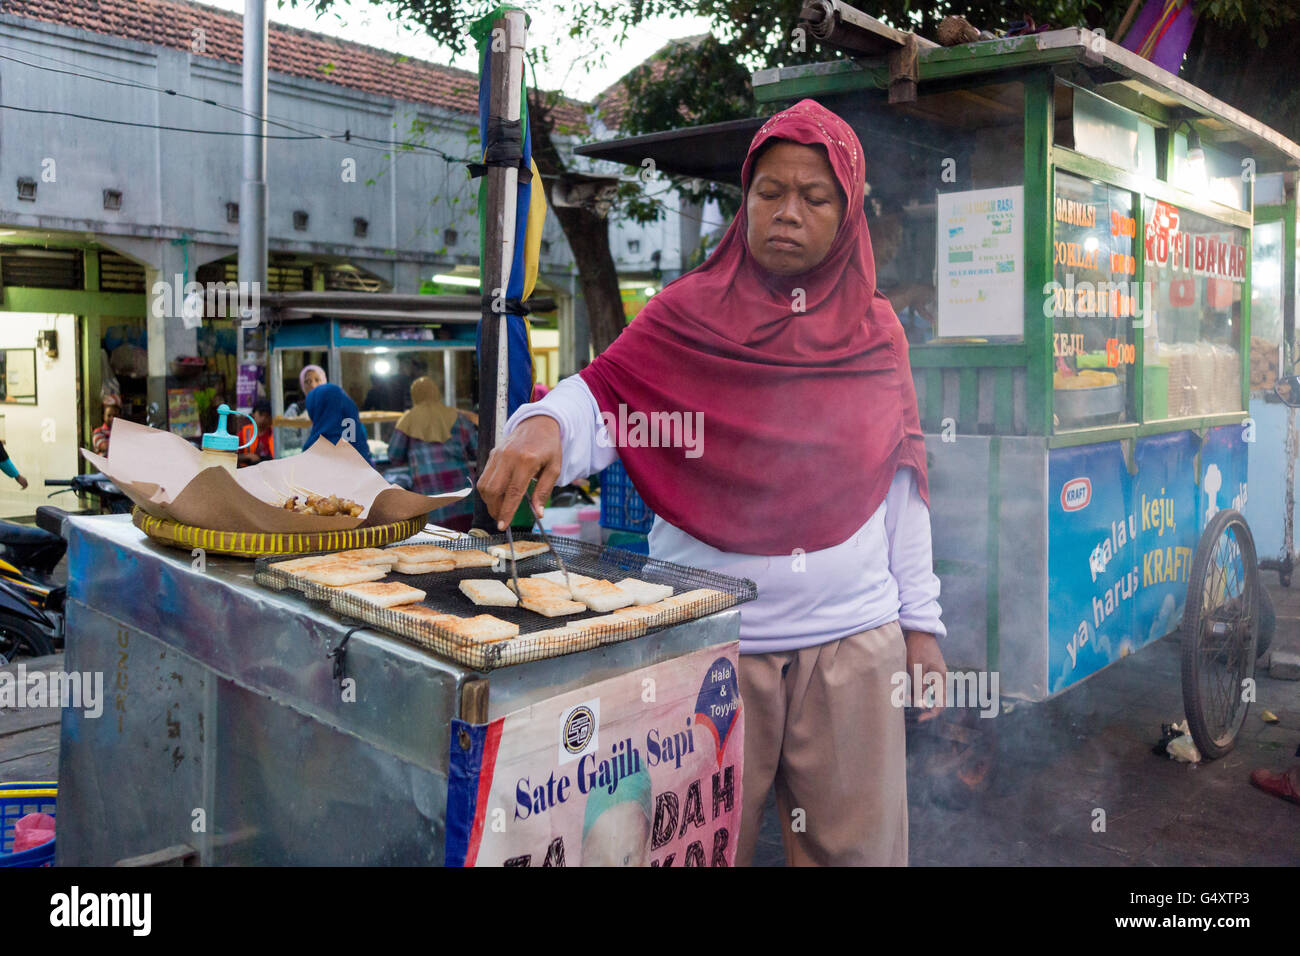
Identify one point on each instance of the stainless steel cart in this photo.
(225, 737)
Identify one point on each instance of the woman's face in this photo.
(312, 379)
(794, 208)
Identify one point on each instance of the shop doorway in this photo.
(38, 408)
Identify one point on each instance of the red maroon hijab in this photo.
(805, 415)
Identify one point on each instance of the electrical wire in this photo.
(346, 136)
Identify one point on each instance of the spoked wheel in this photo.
(1219, 633)
(18, 638)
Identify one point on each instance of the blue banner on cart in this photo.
(1121, 544)
(1167, 532)
(1223, 471)
(1091, 560)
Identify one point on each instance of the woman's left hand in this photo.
(923, 652)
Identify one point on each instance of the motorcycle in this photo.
(31, 601)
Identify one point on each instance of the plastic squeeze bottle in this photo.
(220, 448)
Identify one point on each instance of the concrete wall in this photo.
(178, 183)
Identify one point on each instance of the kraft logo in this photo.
(1076, 494)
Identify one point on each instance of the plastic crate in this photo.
(16, 801)
(621, 508)
(630, 541)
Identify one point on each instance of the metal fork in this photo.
(559, 558)
(514, 572)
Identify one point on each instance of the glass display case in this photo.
(1194, 321)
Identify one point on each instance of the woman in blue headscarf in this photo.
(330, 408)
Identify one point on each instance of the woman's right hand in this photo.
(532, 451)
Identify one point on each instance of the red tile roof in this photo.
(301, 53)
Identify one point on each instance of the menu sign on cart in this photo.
(980, 262)
(643, 769)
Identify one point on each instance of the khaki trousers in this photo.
(819, 725)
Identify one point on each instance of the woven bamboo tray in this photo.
(580, 557)
(241, 544)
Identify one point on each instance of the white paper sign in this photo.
(980, 262)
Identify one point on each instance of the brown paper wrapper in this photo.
(163, 475)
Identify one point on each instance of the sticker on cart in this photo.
(719, 699)
(1076, 494)
(578, 730)
(662, 788)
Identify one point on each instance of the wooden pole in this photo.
(498, 251)
(1128, 18)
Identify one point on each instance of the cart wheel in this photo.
(1219, 633)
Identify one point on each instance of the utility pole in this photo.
(499, 240)
(252, 191)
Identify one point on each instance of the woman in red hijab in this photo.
(795, 459)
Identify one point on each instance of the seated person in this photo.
(99, 437)
(264, 448)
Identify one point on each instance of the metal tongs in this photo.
(514, 572)
(559, 558)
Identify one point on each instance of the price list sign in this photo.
(1093, 298)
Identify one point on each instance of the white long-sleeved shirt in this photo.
(882, 573)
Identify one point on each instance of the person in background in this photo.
(438, 443)
(1284, 784)
(331, 410)
(310, 377)
(99, 437)
(263, 449)
(10, 469)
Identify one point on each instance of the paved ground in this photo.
(1090, 749)
(29, 739)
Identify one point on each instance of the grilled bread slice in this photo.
(523, 549)
(294, 565)
(602, 596)
(482, 629)
(419, 553)
(558, 578)
(472, 558)
(489, 592)
(539, 588)
(385, 594)
(643, 592)
(421, 612)
(680, 607)
(552, 606)
(341, 573)
(643, 612)
(612, 627)
(375, 556)
(413, 567)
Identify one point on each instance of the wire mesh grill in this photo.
(443, 594)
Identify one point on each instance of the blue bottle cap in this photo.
(221, 440)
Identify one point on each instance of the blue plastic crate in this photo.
(16, 801)
(621, 508)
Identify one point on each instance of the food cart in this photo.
(364, 342)
(234, 729)
(1065, 232)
